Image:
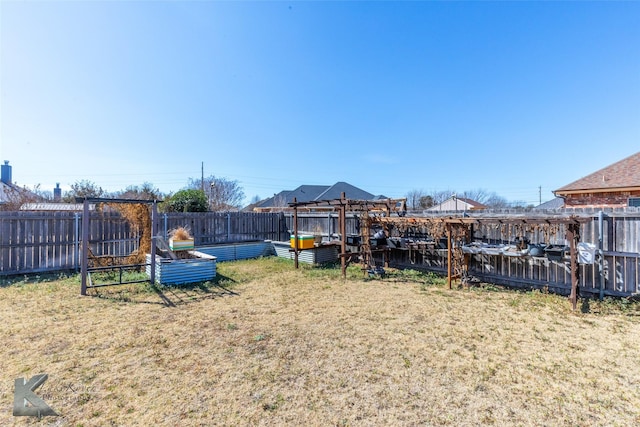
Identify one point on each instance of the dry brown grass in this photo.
(276, 346)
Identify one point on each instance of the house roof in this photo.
(472, 203)
(4, 192)
(464, 203)
(309, 193)
(622, 174)
(351, 192)
(555, 203)
(49, 206)
(11, 192)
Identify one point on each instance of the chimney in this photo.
(57, 193)
(5, 172)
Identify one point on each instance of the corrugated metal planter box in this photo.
(316, 255)
(182, 271)
(237, 251)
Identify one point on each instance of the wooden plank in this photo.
(5, 243)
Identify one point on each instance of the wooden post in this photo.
(573, 236)
(449, 255)
(295, 231)
(385, 254)
(343, 235)
(85, 247)
(154, 232)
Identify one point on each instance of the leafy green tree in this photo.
(188, 200)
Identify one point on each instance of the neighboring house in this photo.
(6, 193)
(12, 196)
(555, 203)
(55, 207)
(616, 185)
(457, 204)
(310, 193)
(7, 189)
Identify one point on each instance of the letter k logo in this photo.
(24, 394)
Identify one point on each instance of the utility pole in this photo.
(202, 177)
(540, 194)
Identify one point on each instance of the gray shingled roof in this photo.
(555, 203)
(336, 190)
(622, 174)
(308, 193)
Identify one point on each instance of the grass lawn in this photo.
(270, 345)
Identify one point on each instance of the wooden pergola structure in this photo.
(382, 208)
(459, 229)
(456, 229)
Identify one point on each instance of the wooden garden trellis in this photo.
(86, 270)
(382, 207)
(459, 230)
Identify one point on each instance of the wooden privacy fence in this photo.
(211, 228)
(36, 242)
(615, 235)
(32, 242)
(323, 223)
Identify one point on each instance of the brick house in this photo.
(617, 185)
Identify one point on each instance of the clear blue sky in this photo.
(388, 96)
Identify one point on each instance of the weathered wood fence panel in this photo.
(210, 228)
(33, 242)
(616, 270)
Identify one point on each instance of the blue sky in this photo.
(388, 96)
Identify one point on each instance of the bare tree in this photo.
(495, 201)
(478, 195)
(16, 196)
(146, 191)
(279, 201)
(83, 188)
(489, 199)
(43, 195)
(223, 194)
(439, 196)
(413, 199)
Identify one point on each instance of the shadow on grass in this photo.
(173, 295)
(33, 278)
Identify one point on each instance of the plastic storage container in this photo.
(304, 242)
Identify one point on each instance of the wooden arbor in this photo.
(458, 230)
(85, 270)
(382, 207)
